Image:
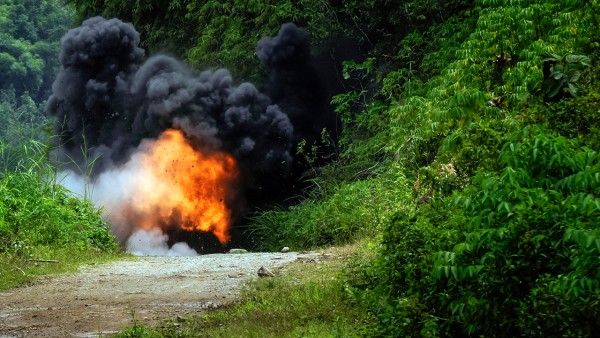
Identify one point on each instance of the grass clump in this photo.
(41, 220)
(307, 299)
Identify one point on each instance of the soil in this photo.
(102, 299)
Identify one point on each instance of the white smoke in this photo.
(117, 187)
(154, 243)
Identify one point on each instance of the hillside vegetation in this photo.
(30, 34)
(43, 228)
(467, 153)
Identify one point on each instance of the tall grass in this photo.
(40, 219)
(341, 214)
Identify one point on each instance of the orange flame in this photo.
(184, 187)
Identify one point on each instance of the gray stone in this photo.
(238, 251)
(264, 272)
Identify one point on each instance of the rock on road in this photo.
(102, 299)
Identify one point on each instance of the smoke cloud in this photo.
(154, 243)
(107, 103)
(108, 99)
(294, 83)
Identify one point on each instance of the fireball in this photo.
(178, 186)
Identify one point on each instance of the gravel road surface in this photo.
(100, 299)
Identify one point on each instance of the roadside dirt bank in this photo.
(101, 299)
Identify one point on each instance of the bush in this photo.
(37, 211)
(397, 286)
(533, 244)
(516, 254)
(348, 212)
(577, 118)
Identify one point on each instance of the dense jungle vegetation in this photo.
(468, 152)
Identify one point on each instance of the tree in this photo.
(30, 44)
(30, 32)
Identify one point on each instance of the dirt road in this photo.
(102, 299)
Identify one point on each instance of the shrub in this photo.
(532, 249)
(37, 211)
(577, 118)
(515, 254)
(348, 212)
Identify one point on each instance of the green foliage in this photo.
(563, 73)
(22, 120)
(574, 117)
(518, 247)
(487, 71)
(496, 67)
(35, 210)
(210, 33)
(39, 219)
(218, 34)
(499, 238)
(30, 44)
(362, 115)
(396, 285)
(162, 24)
(336, 216)
(534, 231)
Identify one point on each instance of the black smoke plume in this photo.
(107, 98)
(106, 101)
(294, 82)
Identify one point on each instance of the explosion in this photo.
(176, 151)
(179, 186)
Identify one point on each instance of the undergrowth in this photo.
(41, 220)
(501, 235)
(336, 215)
